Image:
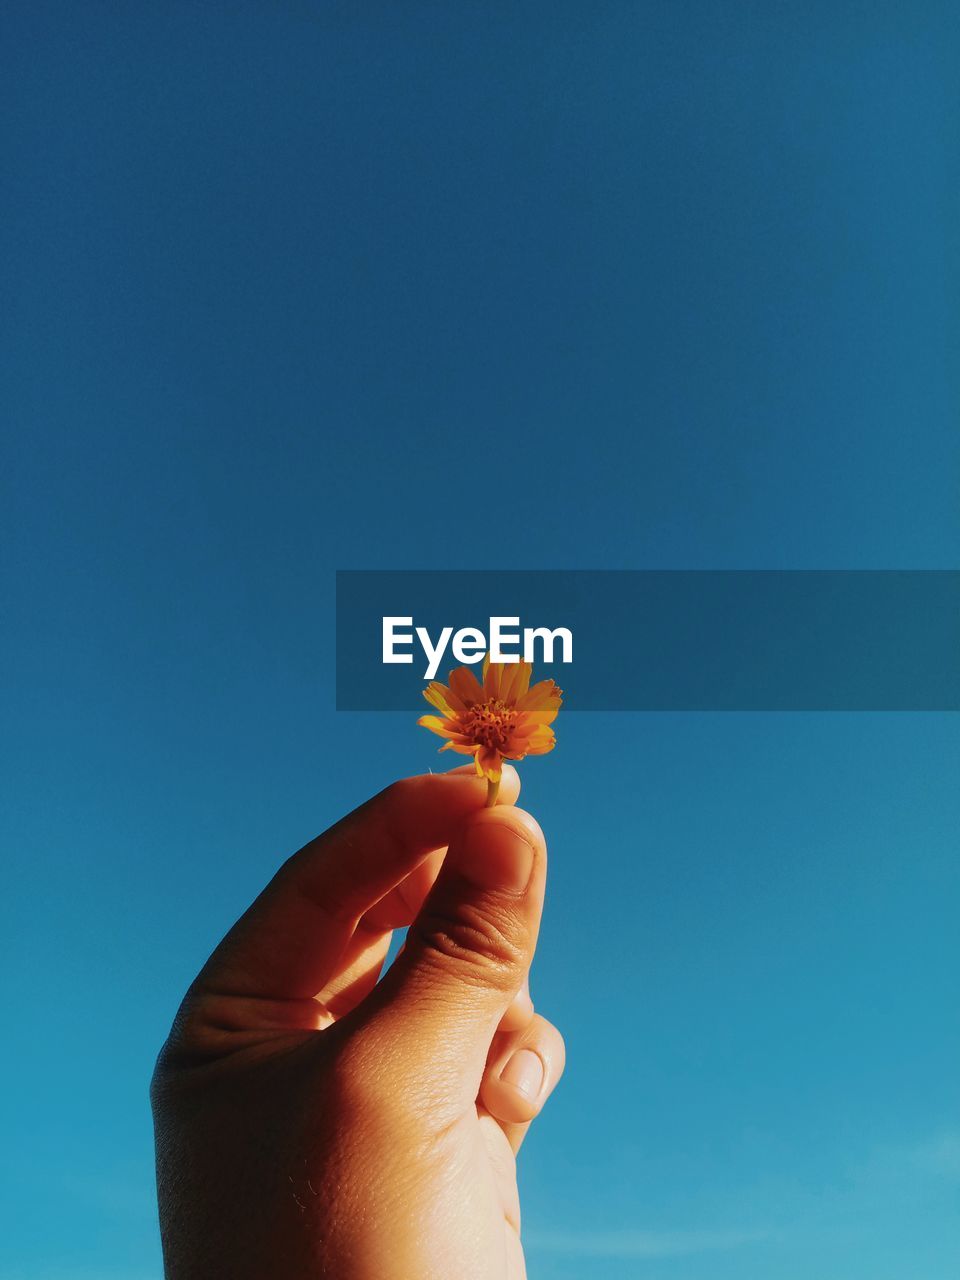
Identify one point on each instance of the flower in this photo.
(502, 718)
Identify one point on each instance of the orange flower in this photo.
(503, 718)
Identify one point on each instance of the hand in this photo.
(312, 1121)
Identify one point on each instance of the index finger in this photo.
(289, 941)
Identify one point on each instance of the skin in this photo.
(314, 1121)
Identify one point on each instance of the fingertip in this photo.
(496, 850)
(523, 1071)
(509, 785)
(524, 1074)
(509, 782)
(518, 820)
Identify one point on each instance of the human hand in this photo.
(312, 1121)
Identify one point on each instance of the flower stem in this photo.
(493, 789)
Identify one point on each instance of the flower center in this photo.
(490, 723)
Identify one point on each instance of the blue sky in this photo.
(288, 289)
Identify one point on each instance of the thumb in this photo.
(468, 951)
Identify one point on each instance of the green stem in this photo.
(493, 789)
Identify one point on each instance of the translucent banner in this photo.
(660, 640)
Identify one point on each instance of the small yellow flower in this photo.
(503, 718)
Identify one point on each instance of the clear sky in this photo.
(292, 287)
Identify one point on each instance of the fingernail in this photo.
(524, 1071)
(497, 852)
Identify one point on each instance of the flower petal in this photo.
(539, 717)
(489, 763)
(465, 686)
(492, 672)
(514, 681)
(439, 696)
(541, 697)
(438, 726)
(455, 701)
(542, 741)
(521, 681)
